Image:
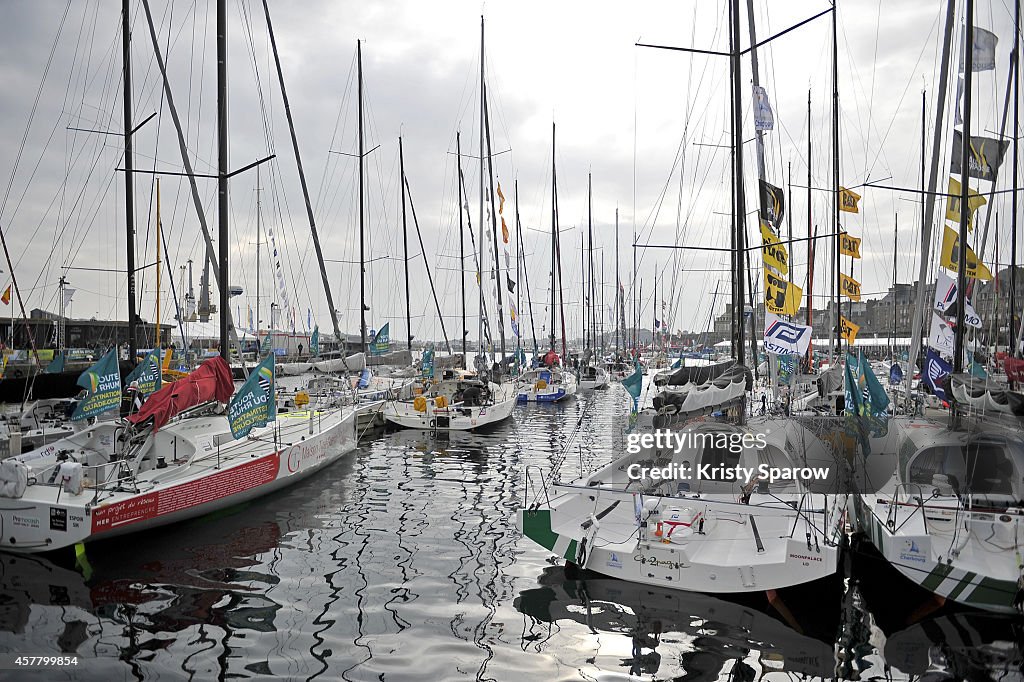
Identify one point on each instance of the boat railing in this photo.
(106, 477)
(537, 483)
(895, 504)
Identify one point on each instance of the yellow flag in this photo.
(504, 230)
(848, 200)
(850, 287)
(501, 202)
(950, 256)
(849, 245)
(974, 202)
(774, 253)
(780, 297)
(848, 330)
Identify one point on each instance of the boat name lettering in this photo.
(656, 562)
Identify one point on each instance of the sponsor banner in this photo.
(102, 382)
(785, 338)
(186, 495)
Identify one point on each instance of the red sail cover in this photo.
(211, 381)
(1014, 369)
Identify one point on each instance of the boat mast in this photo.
(923, 288)
(554, 234)
(462, 243)
(259, 235)
(810, 244)
(159, 341)
(618, 287)
(222, 174)
(302, 183)
(129, 185)
(362, 211)
(498, 285)
(526, 270)
(835, 183)
(405, 244)
(965, 212)
(739, 206)
(480, 226)
(1012, 350)
(895, 241)
(592, 290)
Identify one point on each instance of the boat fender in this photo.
(441, 402)
(540, 385)
(301, 399)
(13, 478)
(420, 404)
(69, 474)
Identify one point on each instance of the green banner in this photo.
(253, 405)
(103, 383)
(314, 343)
(381, 342)
(147, 374)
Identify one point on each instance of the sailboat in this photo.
(592, 374)
(453, 399)
(551, 382)
(949, 518)
(178, 456)
(661, 515)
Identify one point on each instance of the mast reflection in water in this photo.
(402, 562)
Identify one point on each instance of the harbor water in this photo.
(402, 562)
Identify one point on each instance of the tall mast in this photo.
(618, 289)
(740, 206)
(405, 245)
(362, 210)
(222, 173)
(554, 234)
(480, 226)
(923, 288)
(498, 285)
(526, 270)
(259, 240)
(159, 233)
(965, 181)
(590, 263)
(835, 181)
(810, 244)
(1013, 210)
(462, 242)
(895, 272)
(302, 183)
(129, 184)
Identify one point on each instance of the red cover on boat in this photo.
(1014, 369)
(211, 381)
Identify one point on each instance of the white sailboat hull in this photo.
(48, 517)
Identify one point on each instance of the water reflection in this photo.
(402, 562)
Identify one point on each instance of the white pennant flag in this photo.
(946, 296)
(764, 118)
(68, 295)
(785, 338)
(941, 336)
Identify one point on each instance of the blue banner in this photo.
(381, 342)
(147, 374)
(314, 343)
(102, 381)
(253, 405)
(935, 370)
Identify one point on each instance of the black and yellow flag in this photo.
(774, 253)
(773, 204)
(848, 200)
(849, 286)
(950, 256)
(985, 158)
(848, 330)
(849, 245)
(974, 202)
(780, 297)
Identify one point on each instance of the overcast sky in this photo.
(647, 124)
